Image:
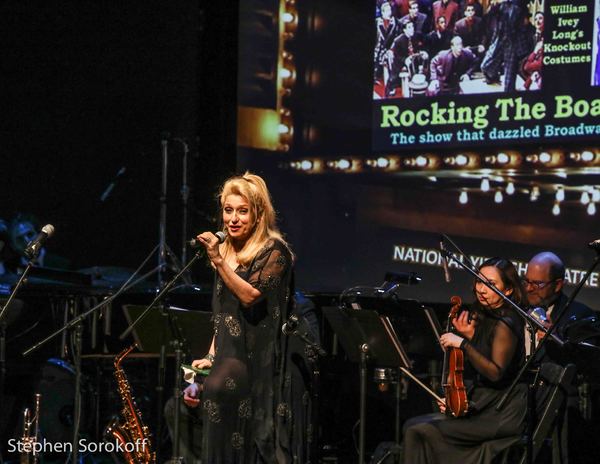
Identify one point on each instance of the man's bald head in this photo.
(551, 263)
(544, 279)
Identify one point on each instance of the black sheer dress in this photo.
(247, 402)
(492, 360)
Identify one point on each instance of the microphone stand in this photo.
(3, 326)
(303, 335)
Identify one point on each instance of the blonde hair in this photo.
(254, 190)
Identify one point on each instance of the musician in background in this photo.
(21, 230)
(249, 410)
(543, 282)
(491, 337)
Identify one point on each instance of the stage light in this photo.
(485, 184)
(284, 129)
(463, 198)
(591, 209)
(556, 208)
(288, 17)
(510, 188)
(498, 196)
(560, 194)
(585, 197)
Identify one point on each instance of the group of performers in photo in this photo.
(434, 47)
(254, 406)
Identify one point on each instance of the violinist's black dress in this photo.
(492, 359)
(250, 401)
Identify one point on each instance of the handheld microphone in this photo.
(290, 325)
(444, 261)
(33, 248)
(195, 243)
(539, 314)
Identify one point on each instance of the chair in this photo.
(551, 391)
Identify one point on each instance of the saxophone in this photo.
(130, 435)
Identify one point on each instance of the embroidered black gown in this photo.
(492, 359)
(247, 398)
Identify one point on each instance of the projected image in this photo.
(451, 48)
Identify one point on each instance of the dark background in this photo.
(91, 87)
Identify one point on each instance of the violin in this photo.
(454, 387)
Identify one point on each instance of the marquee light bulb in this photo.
(498, 196)
(556, 208)
(485, 184)
(383, 162)
(463, 198)
(461, 160)
(503, 158)
(591, 209)
(585, 197)
(587, 156)
(510, 188)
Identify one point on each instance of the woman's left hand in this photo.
(450, 340)
(211, 243)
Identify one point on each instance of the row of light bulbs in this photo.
(589, 196)
(286, 72)
(464, 161)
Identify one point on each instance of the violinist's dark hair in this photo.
(510, 278)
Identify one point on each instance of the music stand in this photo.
(155, 331)
(167, 330)
(366, 337)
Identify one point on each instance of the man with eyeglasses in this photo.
(543, 283)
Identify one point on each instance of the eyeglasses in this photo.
(537, 284)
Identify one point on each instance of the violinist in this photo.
(490, 334)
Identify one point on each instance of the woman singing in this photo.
(246, 399)
(492, 341)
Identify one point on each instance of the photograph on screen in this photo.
(365, 186)
(452, 48)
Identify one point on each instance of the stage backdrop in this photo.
(374, 142)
